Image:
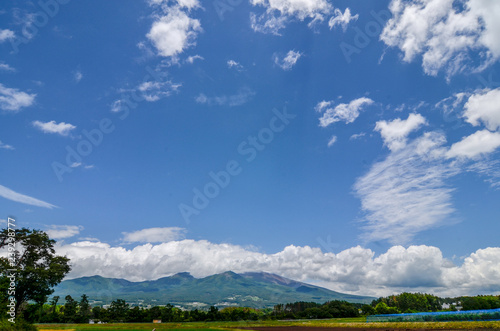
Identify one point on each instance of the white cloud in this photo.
(188, 4)
(445, 34)
(287, 62)
(5, 146)
(62, 128)
(484, 107)
(342, 19)
(6, 34)
(6, 67)
(279, 12)
(234, 64)
(7, 193)
(357, 136)
(174, 32)
(243, 96)
(191, 58)
(153, 91)
(332, 141)
(406, 193)
(488, 168)
(154, 235)
(63, 231)
(117, 105)
(342, 112)
(395, 132)
(77, 76)
(13, 100)
(477, 144)
(355, 270)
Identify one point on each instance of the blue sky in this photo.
(348, 144)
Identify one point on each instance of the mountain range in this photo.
(251, 289)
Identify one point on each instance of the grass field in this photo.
(340, 322)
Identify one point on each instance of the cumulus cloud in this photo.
(12, 99)
(447, 36)
(279, 12)
(484, 107)
(342, 112)
(9, 194)
(395, 132)
(406, 193)
(62, 128)
(479, 143)
(154, 235)
(243, 96)
(355, 270)
(175, 31)
(63, 231)
(6, 34)
(342, 19)
(288, 61)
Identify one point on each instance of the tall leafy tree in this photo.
(37, 267)
(84, 311)
(70, 309)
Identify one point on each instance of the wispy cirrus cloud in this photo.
(241, 97)
(5, 146)
(332, 141)
(9, 194)
(63, 231)
(154, 235)
(406, 193)
(6, 67)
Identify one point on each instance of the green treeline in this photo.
(419, 302)
(74, 311)
(80, 311)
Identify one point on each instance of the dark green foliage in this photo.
(118, 310)
(19, 325)
(70, 309)
(37, 267)
(479, 302)
(407, 303)
(308, 310)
